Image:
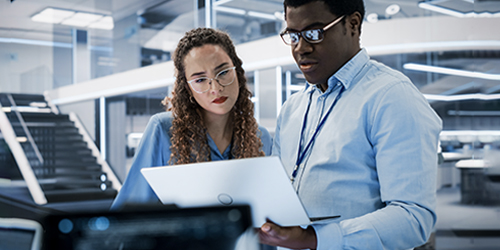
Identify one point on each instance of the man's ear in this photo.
(354, 23)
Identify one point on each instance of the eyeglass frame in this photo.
(211, 79)
(301, 33)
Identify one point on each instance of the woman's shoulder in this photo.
(163, 119)
(266, 139)
(263, 131)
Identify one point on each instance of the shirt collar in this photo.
(215, 153)
(344, 75)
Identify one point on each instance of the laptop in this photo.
(152, 228)
(260, 182)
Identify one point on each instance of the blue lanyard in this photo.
(301, 154)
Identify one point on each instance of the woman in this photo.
(210, 115)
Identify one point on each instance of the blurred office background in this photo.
(108, 63)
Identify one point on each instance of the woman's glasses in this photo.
(224, 78)
(311, 36)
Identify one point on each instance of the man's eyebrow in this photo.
(316, 24)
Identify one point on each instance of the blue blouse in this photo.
(374, 161)
(154, 151)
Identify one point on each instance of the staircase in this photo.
(55, 155)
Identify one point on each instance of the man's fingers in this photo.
(269, 229)
(269, 234)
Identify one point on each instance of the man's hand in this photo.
(289, 237)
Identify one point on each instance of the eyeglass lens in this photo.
(224, 78)
(309, 35)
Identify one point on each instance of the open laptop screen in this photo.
(20, 234)
(16, 239)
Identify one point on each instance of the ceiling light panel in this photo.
(81, 19)
(73, 18)
(105, 23)
(50, 15)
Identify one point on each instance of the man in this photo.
(360, 141)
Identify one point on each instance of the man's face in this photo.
(320, 61)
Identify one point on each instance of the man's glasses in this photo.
(311, 36)
(224, 78)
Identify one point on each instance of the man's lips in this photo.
(220, 100)
(306, 66)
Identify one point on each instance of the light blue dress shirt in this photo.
(154, 151)
(374, 161)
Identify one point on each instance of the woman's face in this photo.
(203, 65)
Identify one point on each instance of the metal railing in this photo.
(27, 134)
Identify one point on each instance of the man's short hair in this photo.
(336, 7)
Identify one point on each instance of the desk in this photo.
(472, 178)
(448, 173)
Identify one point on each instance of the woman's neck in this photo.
(220, 129)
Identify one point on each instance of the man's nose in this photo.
(303, 46)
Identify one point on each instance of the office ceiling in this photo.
(156, 15)
(15, 15)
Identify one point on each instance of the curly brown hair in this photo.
(188, 131)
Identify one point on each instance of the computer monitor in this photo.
(20, 234)
(221, 228)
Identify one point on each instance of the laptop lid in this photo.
(259, 182)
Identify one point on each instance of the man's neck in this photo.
(323, 87)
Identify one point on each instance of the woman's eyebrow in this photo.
(222, 65)
(198, 74)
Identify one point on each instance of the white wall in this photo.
(23, 68)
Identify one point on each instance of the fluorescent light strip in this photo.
(231, 10)
(469, 132)
(442, 10)
(262, 15)
(473, 112)
(36, 42)
(448, 71)
(243, 12)
(221, 2)
(51, 44)
(430, 6)
(428, 46)
(452, 98)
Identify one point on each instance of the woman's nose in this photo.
(215, 86)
